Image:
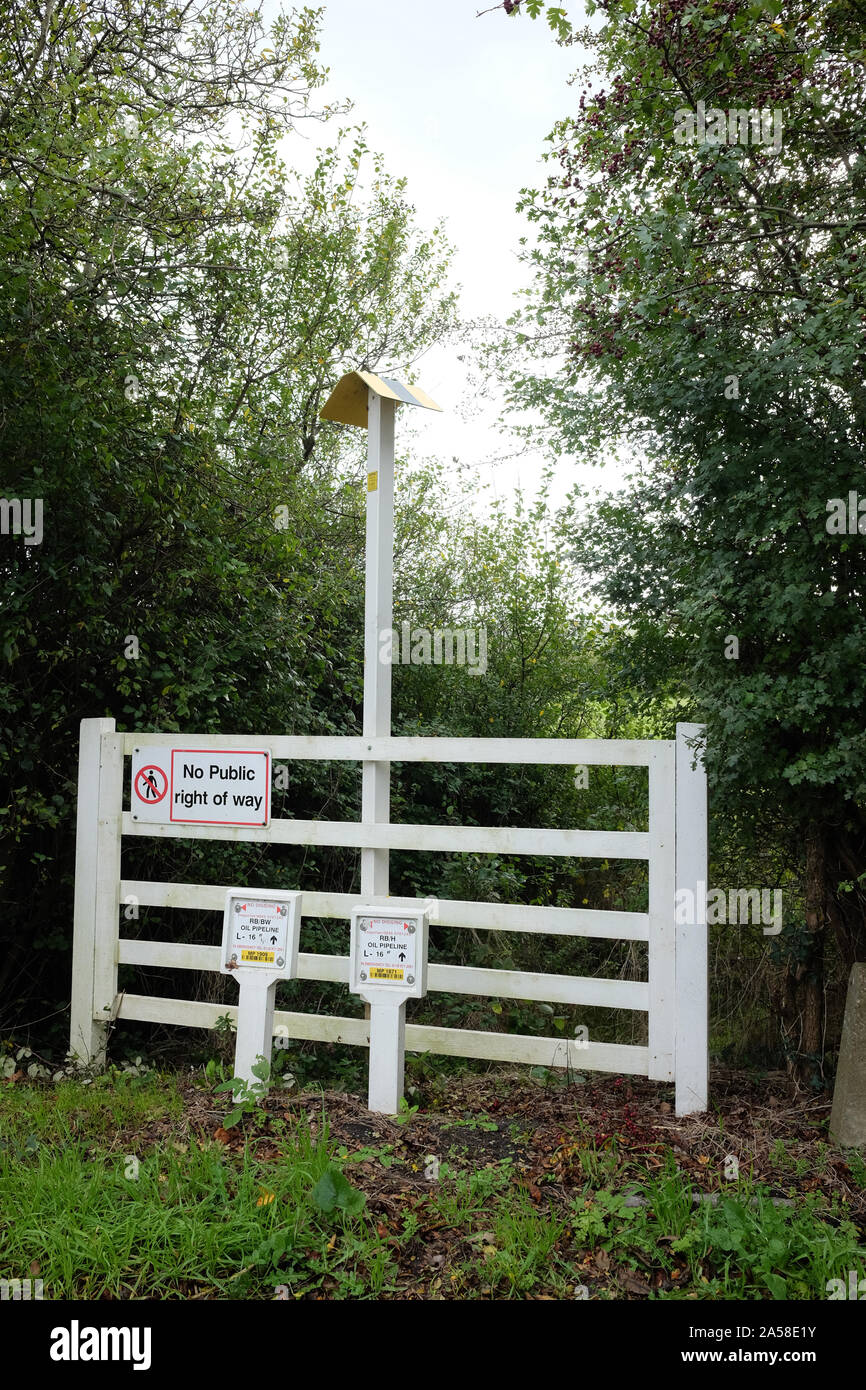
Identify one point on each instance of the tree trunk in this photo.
(802, 1003)
(846, 908)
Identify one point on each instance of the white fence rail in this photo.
(674, 995)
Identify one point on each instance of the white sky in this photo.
(461, 106)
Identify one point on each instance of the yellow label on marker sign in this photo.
(379, 972)
(260, 957)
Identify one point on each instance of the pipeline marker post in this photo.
(261, 930)
(387, 966)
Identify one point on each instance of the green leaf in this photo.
(334, 1191)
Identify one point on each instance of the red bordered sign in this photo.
(150, 784)
(201, 786)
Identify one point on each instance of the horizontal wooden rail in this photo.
(533, 751)
(448, 1042)
(452, 979)
(459, 839)
(450, 912)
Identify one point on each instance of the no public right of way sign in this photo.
(196, 786)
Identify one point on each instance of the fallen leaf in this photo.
(633, 1282)
(266, 1198)
(485, 1237)
(222, 1136)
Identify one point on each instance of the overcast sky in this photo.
(461, 106)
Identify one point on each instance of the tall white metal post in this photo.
(378, 618)
(363, 398)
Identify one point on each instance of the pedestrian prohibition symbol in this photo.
(151, 784)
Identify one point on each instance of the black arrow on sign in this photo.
(402, 955)
(273, 941)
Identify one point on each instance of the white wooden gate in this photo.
(674, 995)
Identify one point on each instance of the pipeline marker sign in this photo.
(261, 928)
(389, 950)
(198, 786)
(387, 966)
(257, 932)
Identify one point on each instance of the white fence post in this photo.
(97, 879)
(661, 1026)
(692, 1006)
(108, 848)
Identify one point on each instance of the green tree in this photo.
(174, 306)
(702, 302)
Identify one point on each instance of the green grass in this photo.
(75, 1111)
(744, 1247)
(760, 1250)
(188, 1218)
(109, 1225)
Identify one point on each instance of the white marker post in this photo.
(369, 401)
(387, 966)
(378, 618)
(261, 930)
